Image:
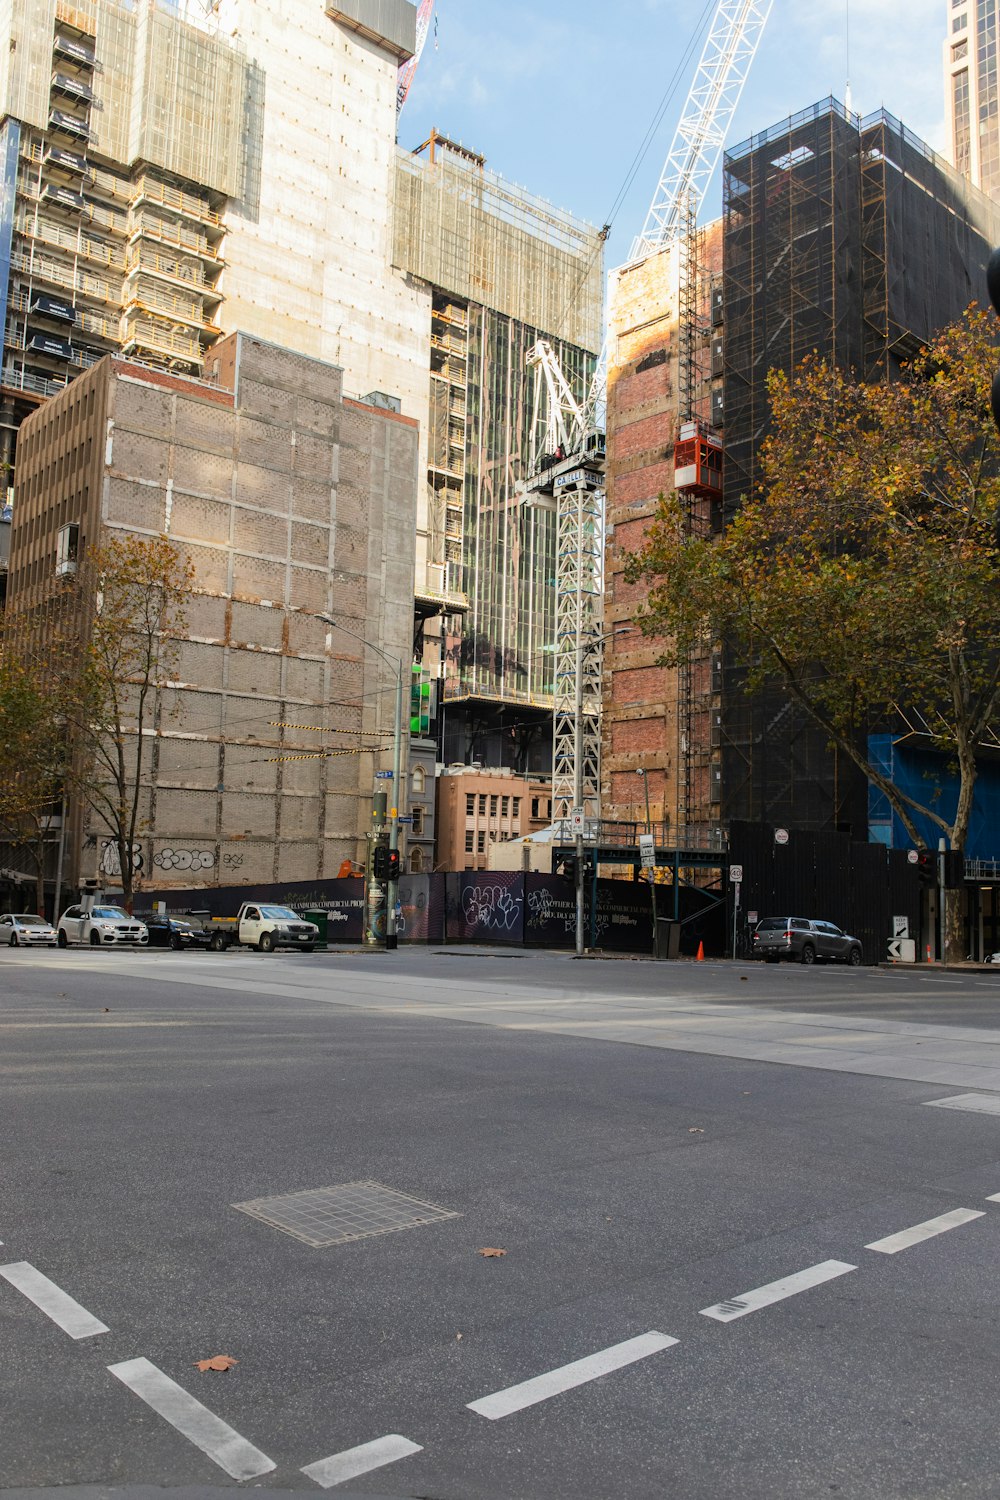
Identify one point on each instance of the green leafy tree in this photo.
(33, 760)
(864, 571)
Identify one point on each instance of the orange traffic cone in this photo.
(700, 959)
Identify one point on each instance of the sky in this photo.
(558, 95)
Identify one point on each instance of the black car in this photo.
(174, 932)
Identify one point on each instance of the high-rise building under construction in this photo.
(176, 170)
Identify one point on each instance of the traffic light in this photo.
(954, 869)
(927, 867)
(567, 867)
(386, 863)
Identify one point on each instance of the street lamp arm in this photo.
(394, 662)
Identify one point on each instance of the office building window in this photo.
(468, 840)
(470, 805)
(481, 842)
(505, 807)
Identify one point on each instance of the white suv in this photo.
(103, 925)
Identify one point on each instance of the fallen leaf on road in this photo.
(695, 1130)
(491, 1253)
(458, 1335)
(222, 1362)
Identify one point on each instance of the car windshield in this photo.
(278, 914)
(28, 919)
(109, 913)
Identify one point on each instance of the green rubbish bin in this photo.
(668, 938)
(319, 919)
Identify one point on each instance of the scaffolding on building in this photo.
(850, 238)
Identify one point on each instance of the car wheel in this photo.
(217, 942)
(95, 941)
(175, 942)
(13, 940)
(266, 942)
(854, 958)
(62, 939)
(808, 953)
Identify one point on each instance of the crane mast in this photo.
(567, 464)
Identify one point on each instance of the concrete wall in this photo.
(289, 502)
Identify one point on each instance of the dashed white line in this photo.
(216, 1439)
(893, 1243)
(993, 1198)
(567, 1377)
(354, 1461)
(776, 1291)
(52, 1300)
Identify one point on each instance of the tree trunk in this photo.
(954, 926)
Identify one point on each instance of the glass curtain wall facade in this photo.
(972, 108)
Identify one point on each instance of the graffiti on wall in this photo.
(184, 859)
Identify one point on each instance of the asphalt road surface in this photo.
(750, 1216)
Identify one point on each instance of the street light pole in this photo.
(641, 771)
(392, 887)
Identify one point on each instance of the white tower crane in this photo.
(704, 124)
(567, 450)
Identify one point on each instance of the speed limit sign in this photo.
(735, 874)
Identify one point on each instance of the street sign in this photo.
(735, 874)
(404, 822)
(383, 775)
(781, 835)
(752, 917)
(913, 856)
(576, 819)
(900, 927)
(647, 851)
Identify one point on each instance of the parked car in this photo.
(24, 928)
(174, 932)
(805, 940)
(263, 927)
(101, 926)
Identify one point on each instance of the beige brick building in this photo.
(290, 501)
(479, 808)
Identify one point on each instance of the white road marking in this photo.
(993, 1198)
(216, 1439)
(554, 1382)
(893, 1243)
(354, 1461)
(977, 1104)
(52, 1300)
(776, 1291)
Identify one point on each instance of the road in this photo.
(747, 1252)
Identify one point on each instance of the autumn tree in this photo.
(864, 571)
(137, 586)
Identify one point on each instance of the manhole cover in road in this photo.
(335, 1215)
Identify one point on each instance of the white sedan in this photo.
(24, 928)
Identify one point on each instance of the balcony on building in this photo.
(73, 49)
(58, 159)
(61, 122)
(72, 87)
